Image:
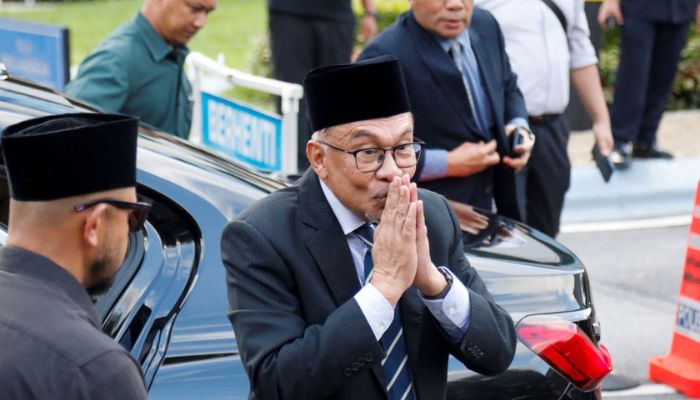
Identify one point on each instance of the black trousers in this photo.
(298, 44)
(547, 175)
(649, 56)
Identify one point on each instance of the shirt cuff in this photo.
(435, 165)
(376, 309)
(520, 122)
(452, 311)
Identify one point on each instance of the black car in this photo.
(168, 303)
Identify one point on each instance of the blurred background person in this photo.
(305, 34)
(138, 69)
(549, 46)
(654, 33)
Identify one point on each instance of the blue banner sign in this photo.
(249, 136)
(688, 318)
(35, 52)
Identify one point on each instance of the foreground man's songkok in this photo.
(338, 94)
(69, 155)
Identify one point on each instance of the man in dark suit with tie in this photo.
(654, 33)
(353, 284)
(465, 101)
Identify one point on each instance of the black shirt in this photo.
(51, 346)
(339, 10)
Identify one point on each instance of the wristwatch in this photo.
(372, 14)
(449, 278)
(529, 133)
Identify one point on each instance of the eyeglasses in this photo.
(137, 216)
(370, 159)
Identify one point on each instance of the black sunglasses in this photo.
(137, 216)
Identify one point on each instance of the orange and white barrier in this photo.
(681, 367)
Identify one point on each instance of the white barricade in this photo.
(262, 140)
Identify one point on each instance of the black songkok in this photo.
(68, 155)
(369, 89)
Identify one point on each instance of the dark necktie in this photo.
(397, 376)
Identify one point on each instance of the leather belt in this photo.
(542, 119)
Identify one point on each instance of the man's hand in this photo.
(603, 137)
(469, 220)
(394, 252)
(368, 28)
(470, 158)
(610, 8)
(428, 280)
(523, 150)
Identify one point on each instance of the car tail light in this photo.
(566, 349)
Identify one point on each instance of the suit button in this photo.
(369, 357)
(347, 372)
(355, 366)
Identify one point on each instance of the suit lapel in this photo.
(326, 240)
(444, 71)
(328, 246)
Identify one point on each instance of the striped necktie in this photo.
(397, 376)
(477, 101)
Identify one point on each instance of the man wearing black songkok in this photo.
(72, 185)
(354, 284)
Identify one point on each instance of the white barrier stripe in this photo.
(694, 241)
(610, 226)
(649, 389)
(689, 302)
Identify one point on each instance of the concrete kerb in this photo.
(648, 189)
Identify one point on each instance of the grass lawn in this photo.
(233, 29)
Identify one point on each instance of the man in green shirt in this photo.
(138, 68)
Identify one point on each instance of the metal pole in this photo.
(290, 111)
(196, 127)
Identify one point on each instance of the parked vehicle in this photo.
(168, 303)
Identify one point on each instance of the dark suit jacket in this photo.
(440, 106)
(664, 11)
(50, 336)
(301, 335)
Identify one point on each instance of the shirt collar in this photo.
(19, 261)
(462, 38)
(155, 43)
(348, 220)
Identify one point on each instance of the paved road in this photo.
(635, 276)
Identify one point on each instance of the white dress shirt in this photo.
(540, 52)
(452, 312)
